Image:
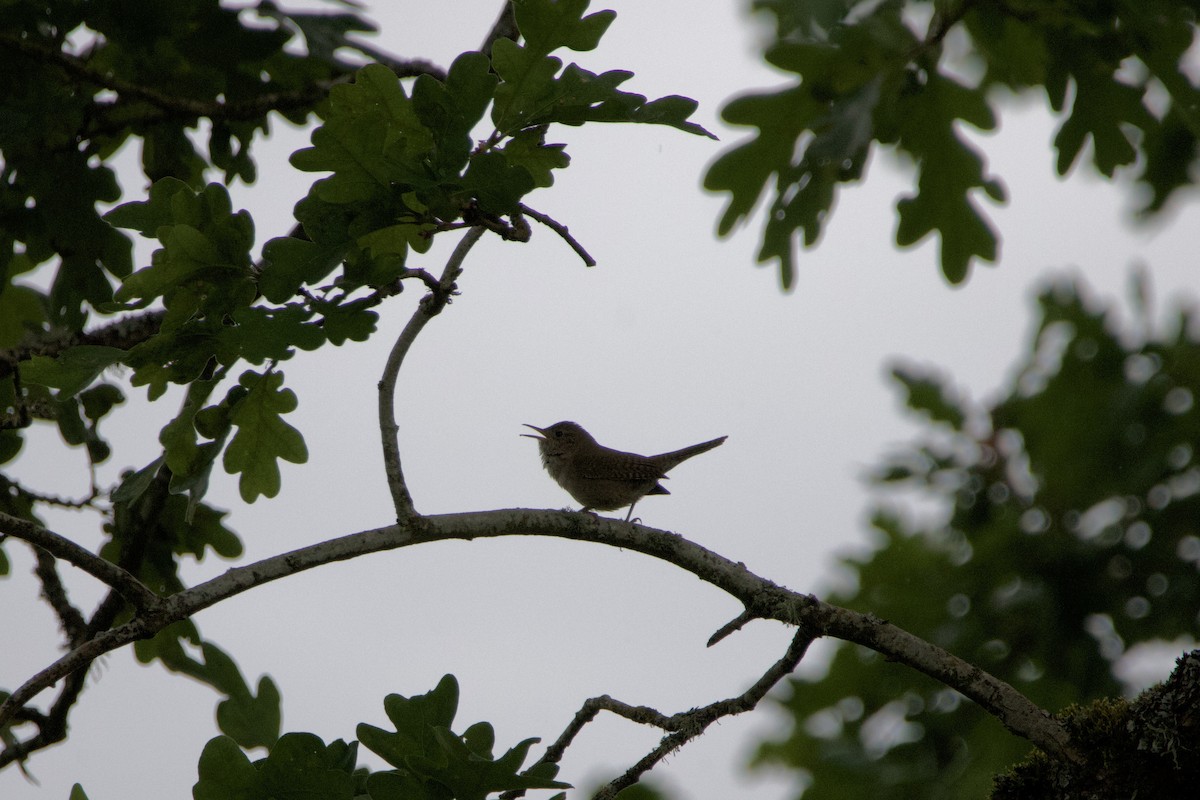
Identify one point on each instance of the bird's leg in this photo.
(630, 514)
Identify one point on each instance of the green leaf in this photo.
(397, 786)
(745, 170)
(134, 484)
(77, 793)
(166, 645)
(672, 110)
(424, 746)
(226, 773)
(528, 149)
(249, 719)
(371, 138)
(550, 24)
(70, 423)
(252, 720)
(263, 437)
(949, 170)
(300, 766)
(531, 95)
(10, 445)
(157, 211)
(1104, 108)
(260, 333)
(21, 309)
(72, 370)
(204, 264)
(415, 719)
(290, 263)
(99, 400)
(527, 86)
(473, 775)
(189, 460)
(928, 393)
(353, 321)
(498, 185)
(1170, 149)
(451, 110)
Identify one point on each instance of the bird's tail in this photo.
(677, 457)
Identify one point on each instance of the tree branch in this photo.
(760, 596)
(181, 106)
(734, 625)
(683, 727)
(505, 27)
(429, 307)
(123, 334)
(121, 581)
(52, 726)
(70, 618)
(562, 231)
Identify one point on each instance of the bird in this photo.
(599, 477)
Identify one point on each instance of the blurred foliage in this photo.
(429, 761)
(1072, 535)
(907, 74)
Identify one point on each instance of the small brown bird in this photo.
(602, 478)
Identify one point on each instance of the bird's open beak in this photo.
(541, 431)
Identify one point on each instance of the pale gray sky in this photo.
(673, 339)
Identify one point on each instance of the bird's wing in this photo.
(630, 468)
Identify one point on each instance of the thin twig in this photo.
(52, 725)
(70, 618)
(735, 624)
(681, 727)
(690, 724)
(431, 283)
(562, 231)
(505, 27)
(52, 499)
(121, 581)
(429, 307)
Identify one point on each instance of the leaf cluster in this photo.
(429, 761)
(405, 164)
(79, 80)
(1070, 536)
(865, 78)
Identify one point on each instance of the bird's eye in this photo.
(558, 434)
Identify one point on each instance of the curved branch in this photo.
(562, 231)
(760, 596)
(121, 581)
(430, 306)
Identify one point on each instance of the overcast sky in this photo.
(674, 338)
